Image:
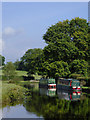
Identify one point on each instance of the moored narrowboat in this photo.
(69, 84)
(47, 83)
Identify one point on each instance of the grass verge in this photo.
(12, 93)
(21, 73)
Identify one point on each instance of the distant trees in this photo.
(2, 60)
(30, 61)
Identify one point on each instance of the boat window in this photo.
(75, 83)
(51, 81)
(63, 82)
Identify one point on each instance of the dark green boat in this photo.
(68, 84)
(47, 83)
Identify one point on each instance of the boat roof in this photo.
(47, 79)
(70, 79)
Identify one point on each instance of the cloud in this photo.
(11, 32)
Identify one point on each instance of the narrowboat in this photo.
(68, 84)
(47, 83)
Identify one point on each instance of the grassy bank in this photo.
(11, 93)
(21, 73)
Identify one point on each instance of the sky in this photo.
(25, 23)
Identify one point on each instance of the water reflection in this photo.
(48, 92)
(58, 105)
(62, 94)
(52, 104)
(67, 95)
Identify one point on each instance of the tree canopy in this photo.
(67, 41)
(31, 60)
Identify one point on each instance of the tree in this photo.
(67, 41)
(19, 65)
(9, 71)
(31, 60)
(2, 60)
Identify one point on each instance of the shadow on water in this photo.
(55, 104)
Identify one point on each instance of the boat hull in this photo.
(66, 87)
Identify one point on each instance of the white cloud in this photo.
(9, 31)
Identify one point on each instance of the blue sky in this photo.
(25, 23)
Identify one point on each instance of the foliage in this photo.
(2, 60)
(68, 41)
(9, 71)
(79, 67)
(57, 69)
(17, 64)
(31, 59)
(67, 51)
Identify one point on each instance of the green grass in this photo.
(21, 73)
(11, 92)
(18, 72)
(24, 73)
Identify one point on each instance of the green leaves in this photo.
(57, 69)
(31, 60)
(79, 66)
(67, 41)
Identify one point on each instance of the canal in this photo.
(50, 104)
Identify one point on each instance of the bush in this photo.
(9, 71)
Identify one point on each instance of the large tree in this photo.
(67, 41)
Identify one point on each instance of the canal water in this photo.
(50, 104)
